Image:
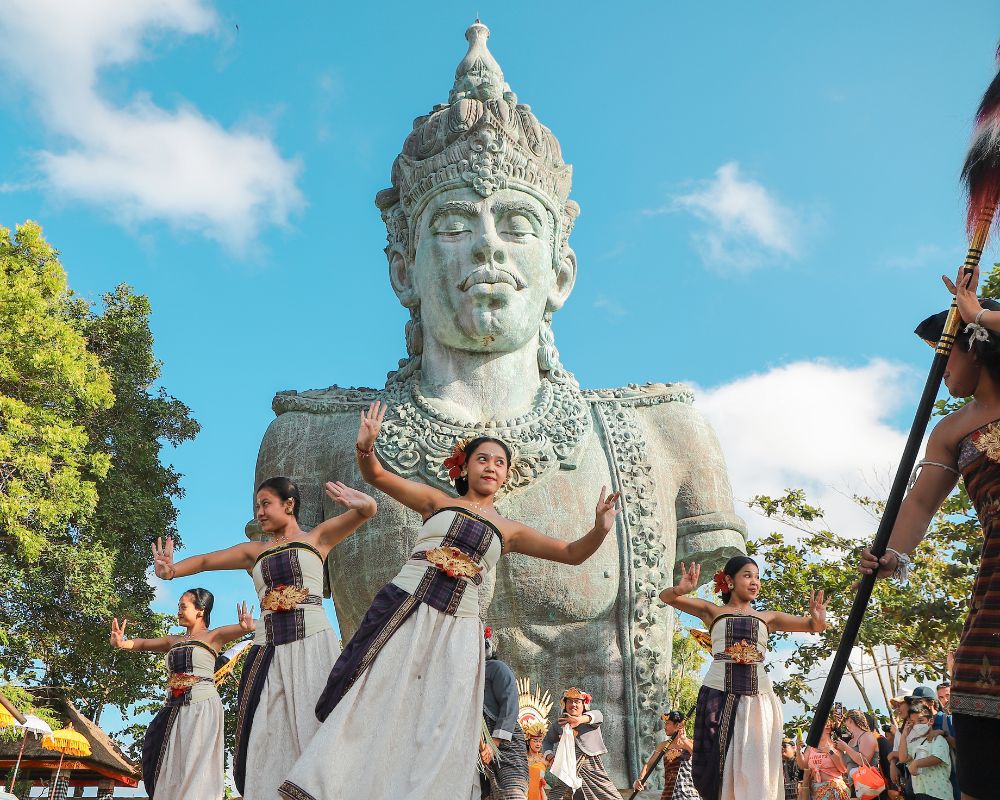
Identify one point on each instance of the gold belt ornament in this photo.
(452, 562)
(283, 597)
(180, 682)
(743, 652)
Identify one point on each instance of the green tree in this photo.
(907, 630)
(56, 610)
(687, 659)
(51, 385)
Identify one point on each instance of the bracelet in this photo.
(363, 453)
(980, 314)
(903, 563)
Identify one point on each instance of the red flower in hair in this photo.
(456, 461)
(721, 585)
(587, 698)
(488, 632)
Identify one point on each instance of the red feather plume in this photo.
(981, 171)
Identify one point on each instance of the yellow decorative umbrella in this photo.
(66, 742)
(6, 719)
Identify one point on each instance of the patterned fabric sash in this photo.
(255, 668)
(741, 654)
(154, 745)
(389, 610)
(714, 723)
(469, 534)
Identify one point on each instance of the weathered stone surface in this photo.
(478, 221)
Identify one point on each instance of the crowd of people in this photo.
(912, 754)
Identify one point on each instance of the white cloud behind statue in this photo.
(135, 159)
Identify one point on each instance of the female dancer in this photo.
(737, 729)
(295, 647)
(965, 444)
(421, 642)
(534, 732)
(826, 767)
(677, 751)
(183, 752)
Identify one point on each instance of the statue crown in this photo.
(483, 138)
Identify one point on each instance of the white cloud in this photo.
(923, 256)
(141, 161)
(610, 307)
(813, 425)
(746, 226)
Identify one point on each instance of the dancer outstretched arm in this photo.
(280, 519)
(742, 590)
(484, 472)
(216, 638)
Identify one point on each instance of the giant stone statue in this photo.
(478, 221)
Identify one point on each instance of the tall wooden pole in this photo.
(903, 472)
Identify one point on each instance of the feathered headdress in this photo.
(533, 709)
(981, 171)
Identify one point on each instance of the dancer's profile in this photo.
(295, 646)
(964, 446)
(417, 658)
(183, 752)
(738, 722)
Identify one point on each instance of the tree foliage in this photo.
(907, 631)
(95, 554)
(51, 385)
(687, 659)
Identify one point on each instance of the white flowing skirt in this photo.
(193, 763)
(285, 720)
(753, 763)
(409, 728)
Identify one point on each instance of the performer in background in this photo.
(738, 722)
(589, 745)
(533, 712)
(295, 645)
(422, 638)
(678, 783)
(183, 752)
(504, 757)
(965, 444)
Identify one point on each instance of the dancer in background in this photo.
(738, 722)
(505, 761)
(678, 783)
(422, 638)
(588, 743)
(183, 752)
(295, 646)
(533, 713)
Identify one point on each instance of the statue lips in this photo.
(491, 274)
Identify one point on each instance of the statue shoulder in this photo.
(645, 395)
(333, 400)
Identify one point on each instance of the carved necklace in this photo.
(416, 438)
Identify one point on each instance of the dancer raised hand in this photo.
(371, 424)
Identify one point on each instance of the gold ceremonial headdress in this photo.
(533, 709)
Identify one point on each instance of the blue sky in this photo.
(769, 193)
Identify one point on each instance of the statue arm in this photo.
(708, 530)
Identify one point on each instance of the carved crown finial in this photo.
(478, 76)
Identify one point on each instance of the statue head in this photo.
(478, 220)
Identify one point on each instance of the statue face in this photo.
(483, 270)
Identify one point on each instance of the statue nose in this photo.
(488, 250)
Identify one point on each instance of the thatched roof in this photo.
(105, 761)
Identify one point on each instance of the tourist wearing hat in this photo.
(588, 743)
(964, 445)
(677, 750)
(504, 756)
